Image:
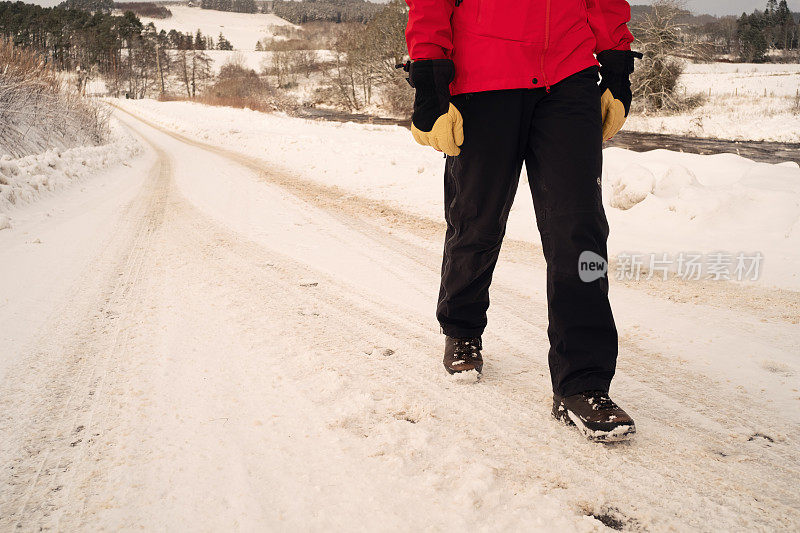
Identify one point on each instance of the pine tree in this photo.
(787, 29)
(223, 43)
(199, 41)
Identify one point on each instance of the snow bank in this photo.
(25, 179)
(657, 202)
(667, 202)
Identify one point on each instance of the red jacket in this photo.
(513, 44)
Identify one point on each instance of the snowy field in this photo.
(232, 330)
(243, 30)
(742, 102)
(746, 79)
(657, 202)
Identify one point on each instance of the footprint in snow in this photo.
(377, 351)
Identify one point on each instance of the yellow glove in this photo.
(614, 115)
(446, 135)
(435, 121)
(616, 67)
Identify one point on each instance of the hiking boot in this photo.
(463, 355)
(596, 416)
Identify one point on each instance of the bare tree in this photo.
(365, 60)
(353, 73)
(305, 61)
(201, 70)
(281, 67)
(194, 70)
(660, 38)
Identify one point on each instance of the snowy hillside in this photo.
(243, 30)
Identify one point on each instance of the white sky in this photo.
(713, 7)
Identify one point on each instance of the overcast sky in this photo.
(713, 7)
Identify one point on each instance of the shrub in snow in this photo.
(659, 37)
(37, 112)
(5, 222)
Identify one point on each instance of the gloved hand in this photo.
(435, 122)
(616, 67)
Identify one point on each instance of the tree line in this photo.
(145, 9)
(751, 37)
(133, 58)
(237, 6)
(326, 10)
(774, 28)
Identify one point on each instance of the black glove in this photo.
(435, 122)
(616, 67)
(431, 78)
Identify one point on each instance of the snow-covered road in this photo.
(220, 346)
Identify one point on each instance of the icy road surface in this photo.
(206, 344)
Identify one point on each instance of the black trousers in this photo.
(559, 137)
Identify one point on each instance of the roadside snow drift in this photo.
(24, 180)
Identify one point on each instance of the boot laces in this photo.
(600, 400)
(467, 347)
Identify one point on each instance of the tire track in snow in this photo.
(73, 358)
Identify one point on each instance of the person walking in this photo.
(544, 82)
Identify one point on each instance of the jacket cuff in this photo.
(424, 51)
(625, 47)
(617, 61)
(435, 74)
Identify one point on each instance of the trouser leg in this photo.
(479, 188)
(564, 163)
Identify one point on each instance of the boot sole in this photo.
(618, 434)
(478, 369)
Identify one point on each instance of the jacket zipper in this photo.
(546, 46)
